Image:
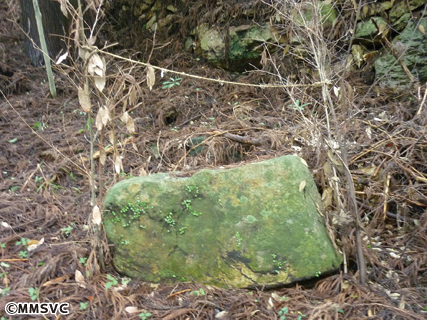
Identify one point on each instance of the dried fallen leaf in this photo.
(394, 255)
(151, 77)
(270, 304)
(302, 185)
(100, 83)
(132, 95)
(91, 41)
(97, 68)
(62, 57)
(54, 281)
(96, 215)
(304, 162)
(125, 117)
(337, 91)
(95, 63)
(402, 304)
(105, 116)
(82, 53)
(102, 156)
(80, 279)
(131, 309)
(276, 297)
(142, 172)
(394, 295)
(285, 51)
(34, 244)
(111, 137)
(118, 165)
(130, 125)
(64, 7)
(134, 146)
(369, 132)
(222, 315)
(264, 60)
(98, 121)
(5, 225)
(327, 197)
(345, 284)
(102, 118)
(84, 100)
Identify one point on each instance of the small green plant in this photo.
(187, 204)
(144, 315)
(191, 189)
(318, 274)
(34, 293)
(83, 261)
(182, 230)
(200, 292)
(23, 241)
(2, 274)
(23, 254)
(239, 239)
(113, 281)
(3, 245)
(129, 213)
(279, 265)
(126, 175)
(171, 83)
(301, 315)
(67, 230)
(282, 313)
(13, 189)
(83, 305)
(4, 291)
(70, 173)
(169, 220)
(40, 126)
(38, 180)
(298, 105)
(123, 241)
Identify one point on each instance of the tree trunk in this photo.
(55, 26)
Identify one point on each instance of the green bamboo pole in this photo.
(40, 30)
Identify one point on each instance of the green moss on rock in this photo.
(242, 227)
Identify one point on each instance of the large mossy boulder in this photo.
(254, 225)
